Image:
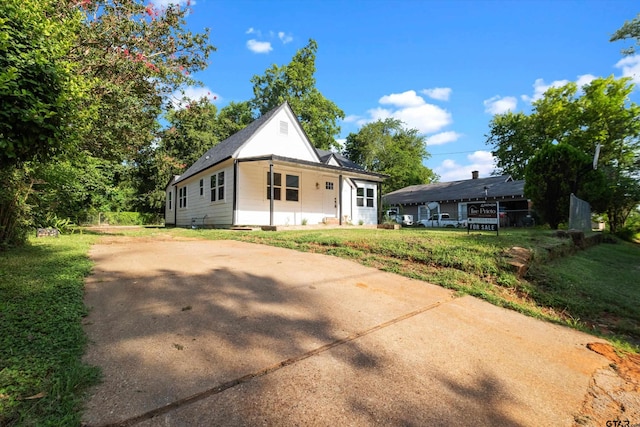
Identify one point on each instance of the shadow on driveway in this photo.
(231, 333)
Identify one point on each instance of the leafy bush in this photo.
(130, 218)
(631, 230)
(63, 225)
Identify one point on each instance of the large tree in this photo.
(387, 147)
(39, 87)
(39, 96)
(295, 83)
(234, 117)
(598, 114)
(82, 82)
(556, 172)
(137, 56)
(515, 142)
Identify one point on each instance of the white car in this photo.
(405, 220)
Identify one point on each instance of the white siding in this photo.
(253, 205)
(348, 202)
(333, 162)
(200, 211)
(368, 215)
(270, 140)
(170, 205)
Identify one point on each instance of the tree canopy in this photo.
(39, 87)
(136, 55)
(556, 172)
(598, 114)
(296, 84)
(629, 30)
(387, 147)
(82, 84)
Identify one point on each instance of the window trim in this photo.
(217, 187)
(291, 192)
(201, 187)
(370, 198)
(277, 186)
(182, 199)
(366, 197)
(291, 189)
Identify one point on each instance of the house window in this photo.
(284, 128)
(369, 197)
(217, 186)
(293, 185)
(201, 187)
(328, 185)
(182, 197)
(169, 199)
(277, 186)
(365, 197)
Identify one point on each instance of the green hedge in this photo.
(130, 218)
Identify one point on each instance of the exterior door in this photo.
(330, 198)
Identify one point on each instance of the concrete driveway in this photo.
(200, 333)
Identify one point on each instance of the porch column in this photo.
(271, 193)
(340, 199)
(234, 211)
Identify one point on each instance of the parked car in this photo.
(393, 215)
(442, 220)
(404, 220)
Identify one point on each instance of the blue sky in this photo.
(442, 67)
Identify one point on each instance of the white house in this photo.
(269, 174)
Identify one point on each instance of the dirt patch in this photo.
(614, 392)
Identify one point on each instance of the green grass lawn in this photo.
(42, 378)
(41, 338)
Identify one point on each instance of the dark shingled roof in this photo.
(497, 186)
(326, 155)
(225, 149)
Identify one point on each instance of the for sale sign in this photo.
(483, 216)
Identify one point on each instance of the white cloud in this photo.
(439, 93)
(195, 93)
(411, 109)
(259, 47)
(426, 118)
(481, 161)
(540, 87)
(352, 118)
(251, 30)
(500, 105)
(443, 138)
(404, 99)
(630, 66)
(285, 38)
(585, 79)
